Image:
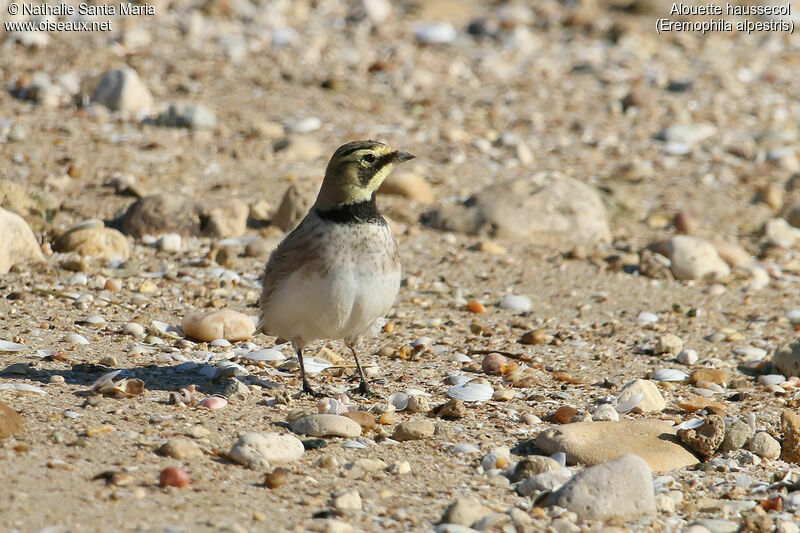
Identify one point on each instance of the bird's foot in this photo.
(364, 391)
(308, 390)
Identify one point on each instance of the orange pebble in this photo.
(173, 476)
(476, 307)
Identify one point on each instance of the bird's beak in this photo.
(400, 157)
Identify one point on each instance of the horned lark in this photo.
(338, 272)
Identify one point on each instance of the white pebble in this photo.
(219, 342)
(687, 357)
(74, 338)
(434, 32)
(516, 303)
(132, 328)
(170, 242)
(95, 320)
(78, 279)
(794, 316)
(646, 317)
(750, 351)
(771, 379)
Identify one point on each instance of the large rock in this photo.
(17, 242)
(222, 324)
(262, 450)
(122, 90)
(162, 213)
(786, 358)
(10, 421)
(547, 209)
(620, 489)
(93, 239)
(693, 258)
(593, 443)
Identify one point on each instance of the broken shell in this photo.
(315, 365)
(266, 355)
(471, 392)
(24, 387)
(691, 424)
(354, 444)
(331, 406)
(399, 400)
(74, 338)
(8, 346)
(669, 374)
(630, 403)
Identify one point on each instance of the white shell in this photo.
(74, 338)
(691, 424)
(399, 400)
(471, 392)
(516, 303)
(750, 351)
(354, 444)
(315, 365)
(771, 379)
(267, 354)
(646, 317)
(8, 346)
(794, 316)
(669, 374)
(561, 457)
(459, 357)
(434, 32)
(331, 406)
(422, 341)
(457, 379)
(24, 387)
(220, 342)
(630, 403)
(459, 449)
(687, 357)
(95, 320)
(105, 378)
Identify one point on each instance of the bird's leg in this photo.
(306, 385)
(363, 388)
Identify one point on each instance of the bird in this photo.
(337, 274)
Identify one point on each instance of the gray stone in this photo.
(261, 450)
(593, 443)
(619, 489)
(737, 433)
(549, 480)
(162, 213)
(546, 209)
(17, 242)
(123, 90)
(326, 425)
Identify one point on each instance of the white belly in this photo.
(339, 302)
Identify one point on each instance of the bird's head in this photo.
(355, 171)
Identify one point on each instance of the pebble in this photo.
(652, 400)
(434, 32)
(533, 465)
(17, 242)
(400, 467)
(133, 329)
(198, 432)
(261, 450)
(646, 317)
(75, 338)
(410, 186)
(771, 379)
(605, 412)
(414, 430)
(503, 395)
(536, 336)
(93, 239)
(362, 418)
(188, 115)
(691, 133)
(276, 478)
(669, 344)
(737, 433)
(173, 476)
(170, 242)
(454, 408)
(346, 500)
(464, 511)
(693, 258)
(418, 403)
(180, 448)
(550, 480)
(493, 363)
(162, 213)
(212, 403)
(516, 303)
(224, 219)
(330, 525)
(710, 375)
(621, 489)
(122, 90)
(764, 445)
(593, 443)
(221, 324)
(787, 359)
(687, 357)
(326, 425)
(10, 421)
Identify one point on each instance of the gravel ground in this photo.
(588, 89)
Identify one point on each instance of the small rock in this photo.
(160, 214)
(170, 242)
(710, 375)
(198, 432)
(516, 303)
(235, 390)
(180, 448)
(186, 115)
(434, 32)
(346, 500)
(92, 239)
(503, 395)
(261, 450)
(454, 408)
(692, 258)
(224, 219)
(293, 207)
(687, 357)
(418, 404)
(326, 425)
(330, 525)
(737, 433)
(133, 329)
(764, 445)
(410, 186)
(652, 400)
(493, 363)
(17, 241)
(10, 421)
(221, 324)
(415, 430)
(276, 478)
(605, 412)
(123, 90)
(669, 344)
(550, 480)
(707, 438)
(688, 133)
(532, 465)
(787, 359)
(619, 489)
(564, 414)
(362, 418)
(463, 511)
(536, 336)
(173, 476)
(400, 467)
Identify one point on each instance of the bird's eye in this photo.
(369, 158)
